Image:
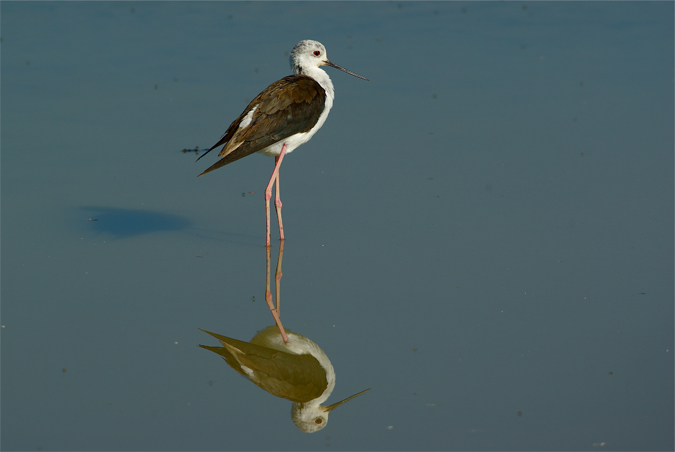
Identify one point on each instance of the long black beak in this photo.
(335, 405)
(328, 63)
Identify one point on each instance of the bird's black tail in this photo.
(214, 146)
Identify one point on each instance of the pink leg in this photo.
(268, 193)
(277, 205)
(277, 277)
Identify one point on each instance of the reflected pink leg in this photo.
(277, 277)
(268, 296)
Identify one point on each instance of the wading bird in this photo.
(281, 118)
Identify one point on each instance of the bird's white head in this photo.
(308, 55)
(312, 417)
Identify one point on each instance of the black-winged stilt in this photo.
(281, 118)
(297, 370)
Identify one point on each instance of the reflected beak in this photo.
(335, 405)
(328, 63)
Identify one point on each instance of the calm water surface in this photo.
(482, 234)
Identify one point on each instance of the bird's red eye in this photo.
(317, 53)
(318, 420)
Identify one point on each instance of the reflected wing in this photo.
(299, 378)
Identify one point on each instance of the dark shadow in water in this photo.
(124, 223)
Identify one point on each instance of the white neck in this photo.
(322, 77)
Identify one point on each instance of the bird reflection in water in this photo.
(285, 364)
(297, 370)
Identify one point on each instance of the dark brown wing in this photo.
(288, 106)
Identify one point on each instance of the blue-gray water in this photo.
(483, 233)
